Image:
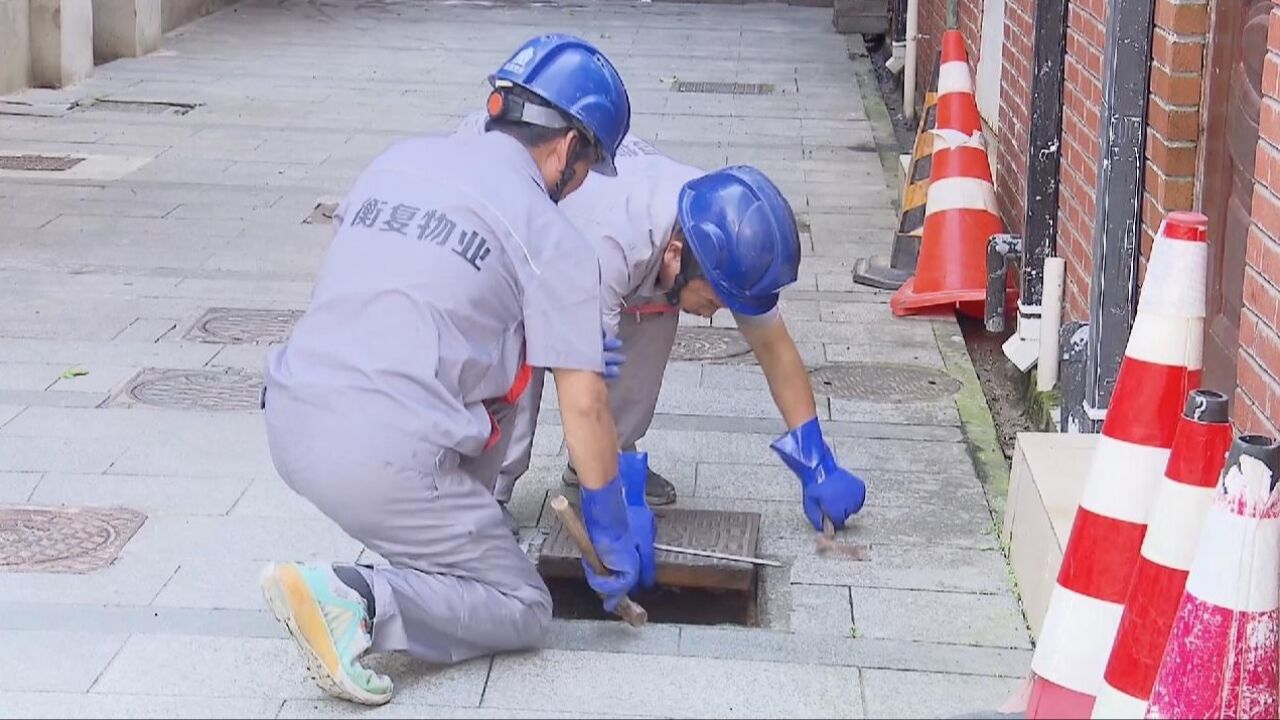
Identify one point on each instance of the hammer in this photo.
(627, 608)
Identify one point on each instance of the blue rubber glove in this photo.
(604, 512)
(829, 489)
(633, 468)
(613, 359)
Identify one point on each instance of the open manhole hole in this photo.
(64, 540)
(691, 590)
(723, 88)
(39, 163)
(883, 382)
(231, 389)
(240, 326)
(704, 343)
(144, 107)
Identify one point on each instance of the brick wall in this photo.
(1082, 98)
(932, 23)
(1173, 112)
(1256, 406)
(1014, 129)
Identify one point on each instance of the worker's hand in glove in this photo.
(633, 469)
(829, 489)
(613, 359)
(605, 514)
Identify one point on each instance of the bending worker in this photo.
(673, 238)
(452, 271)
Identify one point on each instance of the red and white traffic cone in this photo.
(1221, 660)
(1161, 366)
(1173, 529)
(960, 208)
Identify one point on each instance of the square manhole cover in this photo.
(218, 390)
(734, 533)
(723, 88)
(705, 343)
(883, 382)
(39, 163)
(242, 326)
(64, 540)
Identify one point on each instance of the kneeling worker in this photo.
(452, 271)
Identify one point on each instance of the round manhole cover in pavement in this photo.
(704, 343)
(198, 389)
(36, 539)
(244, 325)
(883, 382)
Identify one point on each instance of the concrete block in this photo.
(965, 618)
(61, 42)
(54, 661)
(150, 494)
(897, 694)
(1046, 481)
(123, 707)
(15, 45)
(821, 610)
(667, 686)
(125, 28)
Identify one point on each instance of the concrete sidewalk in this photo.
(106, 268)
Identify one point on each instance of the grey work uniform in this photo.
(629, 218)
(449, 269)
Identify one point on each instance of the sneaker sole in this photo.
(293, 605)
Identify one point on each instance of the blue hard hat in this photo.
(579, 81)
(743, 234)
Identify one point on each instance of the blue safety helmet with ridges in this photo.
(743, 234)
(576, 79)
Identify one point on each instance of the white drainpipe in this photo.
(1055, 270)
(909, 72)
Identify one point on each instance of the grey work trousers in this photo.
(647, 340)
(457, 586)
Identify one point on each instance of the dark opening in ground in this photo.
(574, 600)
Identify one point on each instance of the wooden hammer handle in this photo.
(628, 609)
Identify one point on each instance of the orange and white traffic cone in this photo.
(1221, 660)
(960, 209)
(1161, 366)
(1173, 529)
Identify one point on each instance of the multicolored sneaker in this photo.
(329, 622)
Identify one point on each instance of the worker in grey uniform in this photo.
(671, 237)
(452, 272)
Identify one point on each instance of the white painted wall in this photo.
(991, 61)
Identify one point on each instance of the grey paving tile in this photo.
(128, 620)
(214, 582)
(942, 412)
(44, 454)
(130, 580)
(897, 694)
(612, 636)
(150, 494)
(398, 708)
(30, 657)
(820, 610)
(202, 666)
(918, 615)
(16, 488)
(911, 567)
(9, 412)
(685, 686)
(57, 706)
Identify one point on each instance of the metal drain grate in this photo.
(66, 540)
(146, 107)
(240, 326)
(883, 382)
(217, 390)
(39, 163)
(704, 343)
(723, 88)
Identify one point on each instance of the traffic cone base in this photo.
(1052, 700)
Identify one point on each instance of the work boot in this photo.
(329, 622)
(657, 489)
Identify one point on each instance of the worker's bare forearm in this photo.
(785, 371)
(588, 426)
